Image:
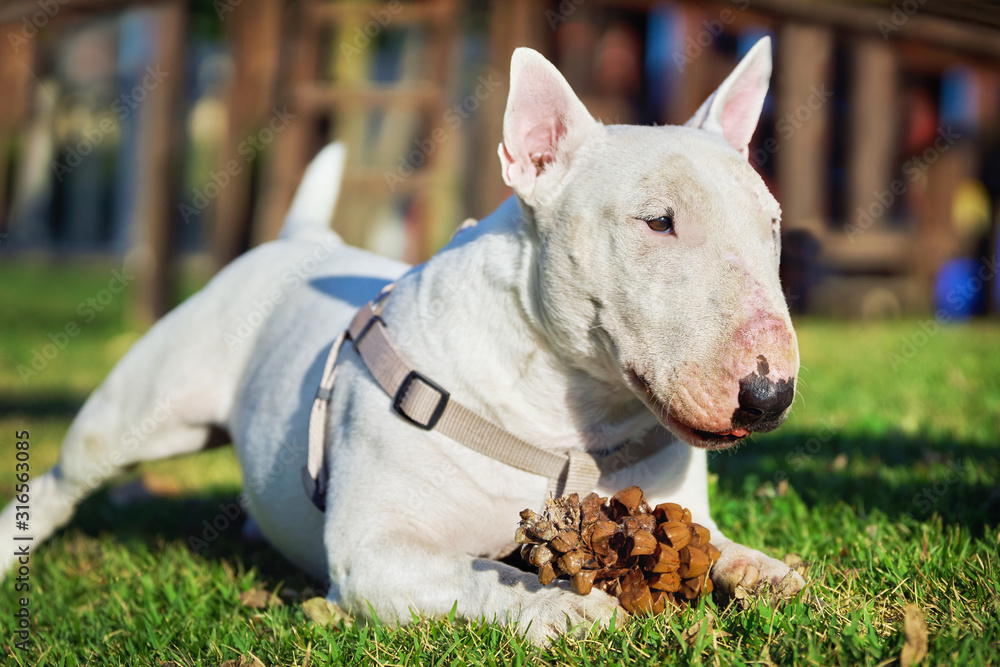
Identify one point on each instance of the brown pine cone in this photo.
(646, 557)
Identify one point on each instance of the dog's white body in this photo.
(518, 317)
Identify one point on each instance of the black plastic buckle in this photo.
(368, 327)
(397, 400)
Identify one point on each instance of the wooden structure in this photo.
(330, 85)
(15, 81)
(22, 23)
(320, 61)
(326, 83)
(289, 60)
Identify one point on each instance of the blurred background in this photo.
(168, 137)
(144, 145)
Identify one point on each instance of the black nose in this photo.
(762, 402)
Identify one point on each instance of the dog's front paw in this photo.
(558, 610)
(742, 571)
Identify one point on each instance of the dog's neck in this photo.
(468, 320)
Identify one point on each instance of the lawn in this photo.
(884, 479)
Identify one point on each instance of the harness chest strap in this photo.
(427, 406)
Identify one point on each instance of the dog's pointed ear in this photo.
(734, 108)
(544, 122)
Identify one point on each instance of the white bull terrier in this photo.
(628, 291)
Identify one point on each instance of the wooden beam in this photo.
(873, 140)
(965, 33)
(878, 20)
(436, 204)
(323, 97)
(294, 147)
(17, 11)
(254, 35)
(702, 74)
(373, 181)
(156, 212)
(801, 145)
(512, 24)
(16, 80)
(937, 239)
(349, 122)
(881, 252)
(398, 14)
(16, 75)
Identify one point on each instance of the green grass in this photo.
(892, 496)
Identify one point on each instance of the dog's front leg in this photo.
(395, 574)
(739, 567)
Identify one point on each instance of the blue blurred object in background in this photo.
(960, 292)
(996, 292)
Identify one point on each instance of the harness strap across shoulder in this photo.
(426, 405)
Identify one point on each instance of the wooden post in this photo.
(801, 145)
(293, 148)
(437, 205)
(156, 212)
(937, 240)
(513, 24)
(872, 143)
(15, 82)
(354, 215)
(254, 32)
(698, 79)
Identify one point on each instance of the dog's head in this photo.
(655, 260)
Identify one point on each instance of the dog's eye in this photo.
(663, 224)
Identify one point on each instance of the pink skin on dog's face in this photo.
(708, 399)
(704, 407)
(705, 399)
(761, 354)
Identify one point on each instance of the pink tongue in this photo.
(738, 432)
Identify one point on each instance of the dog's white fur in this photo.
(541, 318)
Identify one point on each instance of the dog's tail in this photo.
(316, 197)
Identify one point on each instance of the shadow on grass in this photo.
(50, 405)
(901, 476)
(209, 525)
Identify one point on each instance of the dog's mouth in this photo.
(689, 434)
(707, 439)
